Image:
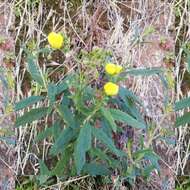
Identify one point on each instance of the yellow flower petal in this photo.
(111, 89)
(118, 69)
(110, 68)
(55, 40)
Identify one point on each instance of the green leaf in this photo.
(131, 174)
(34, 70)
(29, 117)
(108, 116)
(102, 136)
(95, 169)
(62, 164)
(43, 168)
(44, 172)
(124, 92)
(140, 154)
(144, 72)
(67, 116)
(44, 51)
(113, 163)
(64, 139)
(52, 90)
(185, 119)
(83, 144)
(64, 84)
(99, 153)
(148, 170)
(126, 118)
(184, 103)
(168, 140)
(27, 102)
(89, 93)
(61, 87)
(54, 131)
(153, 158)
(188, 63)
(106, 128)
(44, 134)
(127, 102)
(165, 88)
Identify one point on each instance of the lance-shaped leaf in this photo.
(99, 154)
(64, 139)
(83, 144)
(126, 118)
(44, 134)
(62, 165)
(34, 70)
(44, 172)
(67, 116)
(144, 72)
(33, 115)
(185, 119)
(108, 116)
(184, 103)
(102, 136)
(52, 90)
(95, 169)
(64, 84)
(61, 87)
(27, 102)
(127, 102)
(54, 131)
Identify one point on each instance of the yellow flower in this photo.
(110, 68)
(168, 108)
(113, 69)
(55, 40)
(118, 69)
(111, 89)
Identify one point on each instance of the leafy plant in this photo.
(86, 117)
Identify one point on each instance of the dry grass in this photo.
(120, 27)
(182, 37)
(7, 137)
